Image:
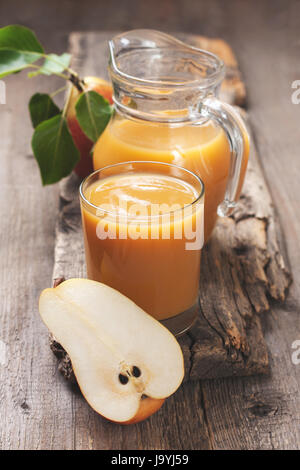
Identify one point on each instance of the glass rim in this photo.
(138, 162)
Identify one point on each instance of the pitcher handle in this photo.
(229, 119)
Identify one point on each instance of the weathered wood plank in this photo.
(275, 121)
(30, 387)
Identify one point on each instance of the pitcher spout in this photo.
(158, 73)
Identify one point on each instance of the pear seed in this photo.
(136, 372)
(123, 379)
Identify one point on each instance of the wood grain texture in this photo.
(29, 384)
(37, 409)
(241, 266)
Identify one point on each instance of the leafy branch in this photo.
(52, 142)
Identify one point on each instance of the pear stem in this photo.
(77, 82)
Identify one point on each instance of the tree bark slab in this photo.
(243, 268)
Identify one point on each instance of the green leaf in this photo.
(54, 149)
(93, 113)
(53, 64)
(41, 108)
(13, 61)
(19, 48)
(19, 38)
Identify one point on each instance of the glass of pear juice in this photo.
(143, 226)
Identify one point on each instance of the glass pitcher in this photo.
(166, 109)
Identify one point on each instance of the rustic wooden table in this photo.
(37, 409)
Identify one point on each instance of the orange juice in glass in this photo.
(166, 109)
(143, 232)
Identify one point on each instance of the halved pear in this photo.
(119, 353)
